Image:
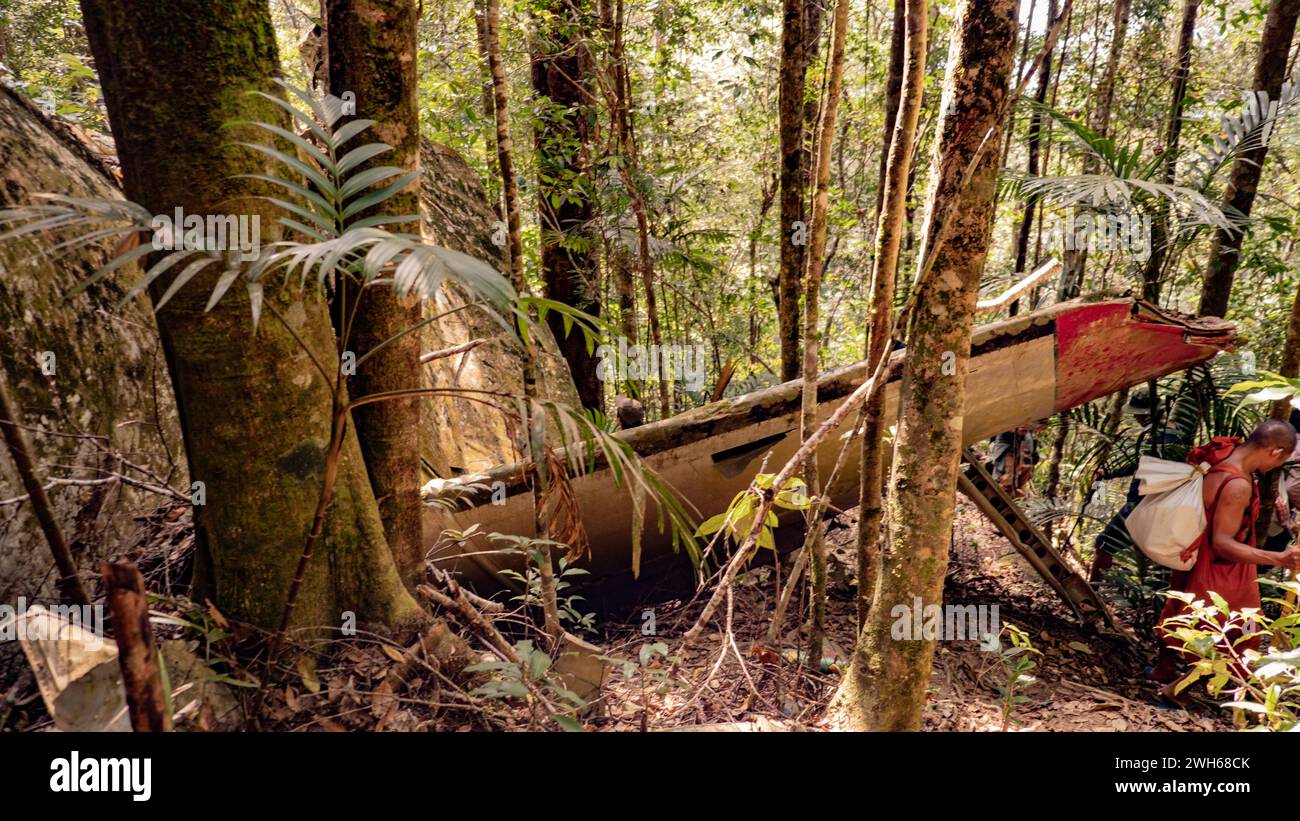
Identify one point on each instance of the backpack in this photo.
(1171, 516)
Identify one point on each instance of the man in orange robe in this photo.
(1226, 556)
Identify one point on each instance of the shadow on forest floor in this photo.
(1086, 681)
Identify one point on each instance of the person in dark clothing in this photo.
(1115, 537)
(1282, 526)
(1012, 458)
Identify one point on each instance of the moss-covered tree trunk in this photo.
(1270, 72)
(564, 197)
(792, 235)
(254, 411)
(889, 235)
(372, 55)
(885, 686)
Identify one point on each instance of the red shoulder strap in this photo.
(1237, 473)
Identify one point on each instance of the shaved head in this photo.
(1273, 434)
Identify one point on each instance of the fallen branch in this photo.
(112, 478)
(1049, 269)
(70, 587)
(463, 347)
(474, 619)
(141, 674)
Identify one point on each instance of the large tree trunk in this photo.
(1270, 72)
(372, 54)
(1153, 275)
(1071, 282)
(885, 686)
(889, 235)
(813, 281)
(563, 192)
(233, 387)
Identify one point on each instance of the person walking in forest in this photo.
(1282, 527)
(1013, 456)
(1226, 555)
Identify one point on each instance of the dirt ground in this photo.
(1086, 681)
(732, 680)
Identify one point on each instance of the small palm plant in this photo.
(1128, 182)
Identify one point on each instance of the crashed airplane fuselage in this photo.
(1022, 369)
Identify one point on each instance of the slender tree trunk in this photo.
(620, 258)
(885, 686)
(793, 231)
(1058, 453)
(504, 144)
(812, 335)
(1099, 121)
(889, 234)
(232, 388)
(618, 90)
(1152, 275)
(492, 187)
(533, 424)
(1270, 72)
(71, 590)
(769, 195)
(1046, 140)
(564, 199)
(372, 54)
(1034, 142)
(893, 94)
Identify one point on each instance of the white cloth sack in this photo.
(1171, 515)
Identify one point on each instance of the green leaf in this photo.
(305, 145)
(296, 113)
(349, 130)
(569, 725)
(187, 273)
(359, 155)
(712, 524)
(377, 196)
(318, 179)
(370, 176)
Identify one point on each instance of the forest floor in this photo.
(1087, 681)
(727, 680)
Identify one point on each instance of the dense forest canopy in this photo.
(558, 306)
(704, 106)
